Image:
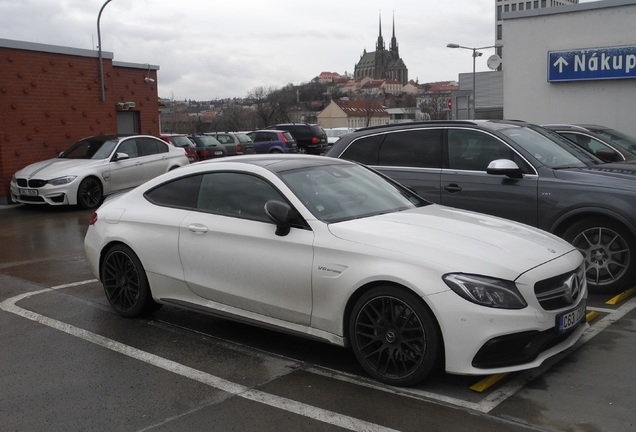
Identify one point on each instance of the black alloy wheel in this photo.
(394, 336)
(125, 283)
(89, 193)
(608, 251)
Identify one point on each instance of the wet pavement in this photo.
(68, 362)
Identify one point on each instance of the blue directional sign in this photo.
(592, 64)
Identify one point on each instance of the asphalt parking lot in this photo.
(68, 362)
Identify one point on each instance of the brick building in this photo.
(50, 97)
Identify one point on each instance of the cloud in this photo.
(211, 49)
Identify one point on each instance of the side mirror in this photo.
(504, 167)
(280, 213)
(121, 156)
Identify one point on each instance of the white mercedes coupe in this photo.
(331, 250)
(95, 167)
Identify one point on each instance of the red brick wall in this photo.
(49, 100)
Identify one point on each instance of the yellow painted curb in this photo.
(487, 382)
(621, 297)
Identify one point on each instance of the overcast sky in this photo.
(215, 49)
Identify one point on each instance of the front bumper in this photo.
(48, 195)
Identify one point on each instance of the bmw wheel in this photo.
(394, 337)
(89, 193)
(125, 283)
(608, 249)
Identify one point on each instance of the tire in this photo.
(394, 336)
(125, 283)
(302, 150)
(609, 251)
(90, 193)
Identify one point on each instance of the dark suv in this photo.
(311, 138)
(518, 171)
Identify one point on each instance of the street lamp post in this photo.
(99, 52)
(475, 55)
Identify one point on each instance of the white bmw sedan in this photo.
(93, 168)
(331, 250)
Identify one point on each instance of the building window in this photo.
(506, 8)
(520, 6)
(499, 13)
(513, 7)
(536, 4)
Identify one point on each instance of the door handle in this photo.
(198, 228)
(452, 188)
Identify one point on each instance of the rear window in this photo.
(317, 130)
(181, 141)
(288, 136)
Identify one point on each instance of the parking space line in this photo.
(305, 410)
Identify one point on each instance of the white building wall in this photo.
(530, 35)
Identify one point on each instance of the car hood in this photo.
(58, 167)
(477, 243)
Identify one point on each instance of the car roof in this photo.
(281, 162)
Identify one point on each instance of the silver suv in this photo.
(518, 171)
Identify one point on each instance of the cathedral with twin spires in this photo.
(382, 64)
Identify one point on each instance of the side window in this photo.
(223, 139)
(586, 142)
(236, 195)
(149, 146)
(181, 193)
(364, 150)
(414, 148)
(473, 150)
(129, 147)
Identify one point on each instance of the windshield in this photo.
(90, 148)
(549, 148)
(334, 193)
(618, 138)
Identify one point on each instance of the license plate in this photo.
(29, 192)
(218, 153)
(570, 319)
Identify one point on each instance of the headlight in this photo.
(62, 180)
(485, 291)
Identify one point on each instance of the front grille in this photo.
(560, 291)
(37, 183)
(34, 183)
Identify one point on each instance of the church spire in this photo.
(380, 45)
(394, 45)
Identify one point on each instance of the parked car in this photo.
(334, 134)
(93, 168)
(182, 140)
(208, 147)
(310, 138)
(607, 144)
(273, 141)
(359, 261)
(235, 143)
(517, 171)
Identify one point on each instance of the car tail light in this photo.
(204, 154)
(239, 148)
(314, 140)
(284, 139)
(93, 219)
